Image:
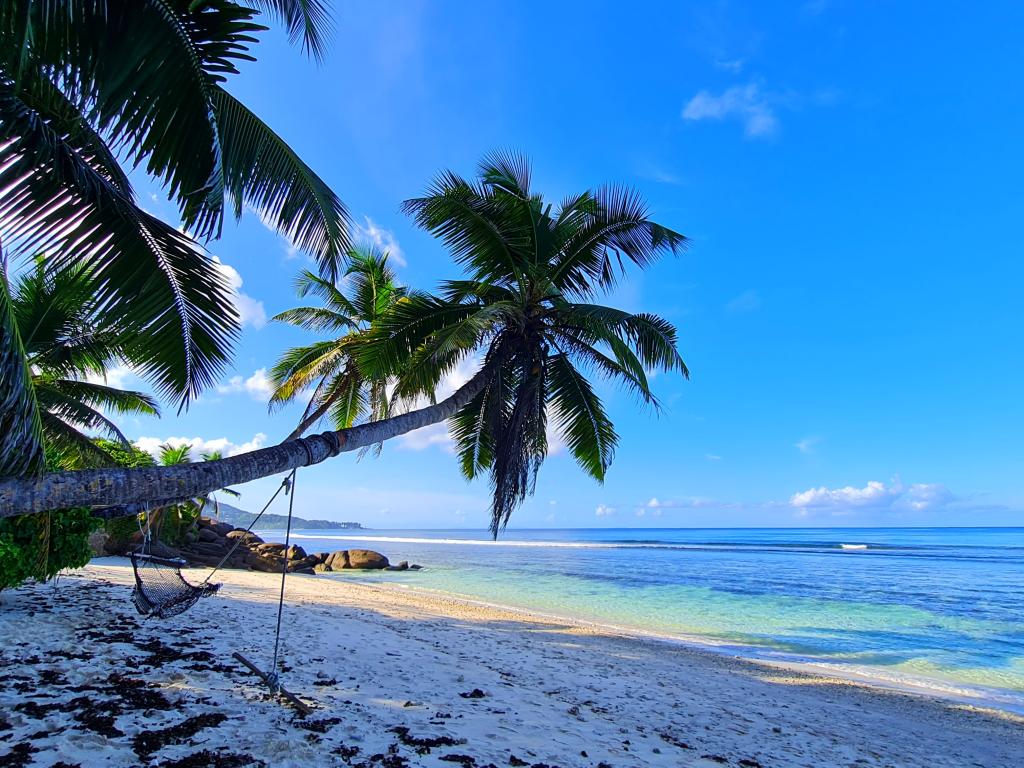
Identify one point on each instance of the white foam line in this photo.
(480, 542)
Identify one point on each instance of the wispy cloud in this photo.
(746, 103)
(604, 511)
(730, 65)
(807, 444)
(748, 301)
(290, 251)
(116, 376)
(381, 238)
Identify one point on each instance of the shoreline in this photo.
(401, 678)
(934, 688)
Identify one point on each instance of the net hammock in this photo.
(161, 590)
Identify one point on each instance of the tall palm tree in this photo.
(69, 346)
(87, 84)
(367, 293)
(525, 307)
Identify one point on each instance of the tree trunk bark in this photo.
(120, 486)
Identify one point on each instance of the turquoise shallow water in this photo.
(940, 609)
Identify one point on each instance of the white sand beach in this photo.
(403, 678)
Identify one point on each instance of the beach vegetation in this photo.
(69, 345)
(366, 293)
(42, 545)
(526, 313)
(90, 89)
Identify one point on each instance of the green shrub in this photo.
(41, 546)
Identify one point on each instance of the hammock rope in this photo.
(161, 591)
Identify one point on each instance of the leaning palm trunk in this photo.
(153, 485)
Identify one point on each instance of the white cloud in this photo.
(258, 385)
(712, 457)
(199, 445)
(250, 311)
(604, 511)
(747, 301)
(917, 497)
(654, 503)
(116, 376)
(746, 103)
(433, 435)
(806, 444)
(382, 239)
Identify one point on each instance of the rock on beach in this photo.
(213, 540)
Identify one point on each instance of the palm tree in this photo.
(330, 368)
(85, 85)
(69, 346)
(524, 308)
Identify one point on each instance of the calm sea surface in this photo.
(938, 608)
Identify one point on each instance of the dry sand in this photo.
(404, 678)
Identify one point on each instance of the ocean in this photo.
(934, 609)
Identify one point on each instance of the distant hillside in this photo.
(242, 519)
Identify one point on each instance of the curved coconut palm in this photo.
(366, 294)
(84, 85)
(68, 348)
(526, 309)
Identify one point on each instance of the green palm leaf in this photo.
(21, 431)
(263, 171)
(307, 20)
(589, 433)
(144, 274)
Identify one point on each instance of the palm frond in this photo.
(348, 399)
(315, 319)
(520, 442)
(589, 433)
(483, 232)
(307, 20)
(56, 401)
(21, 431)
(69, 440)
(299, 367)
(263, 171)
(596, 240)
(144, 273)
(310, 284)
(171, 455)
(122, 401)
(396, 337)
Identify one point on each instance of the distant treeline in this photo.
(269, 522)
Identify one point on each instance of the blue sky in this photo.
(850, 176)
